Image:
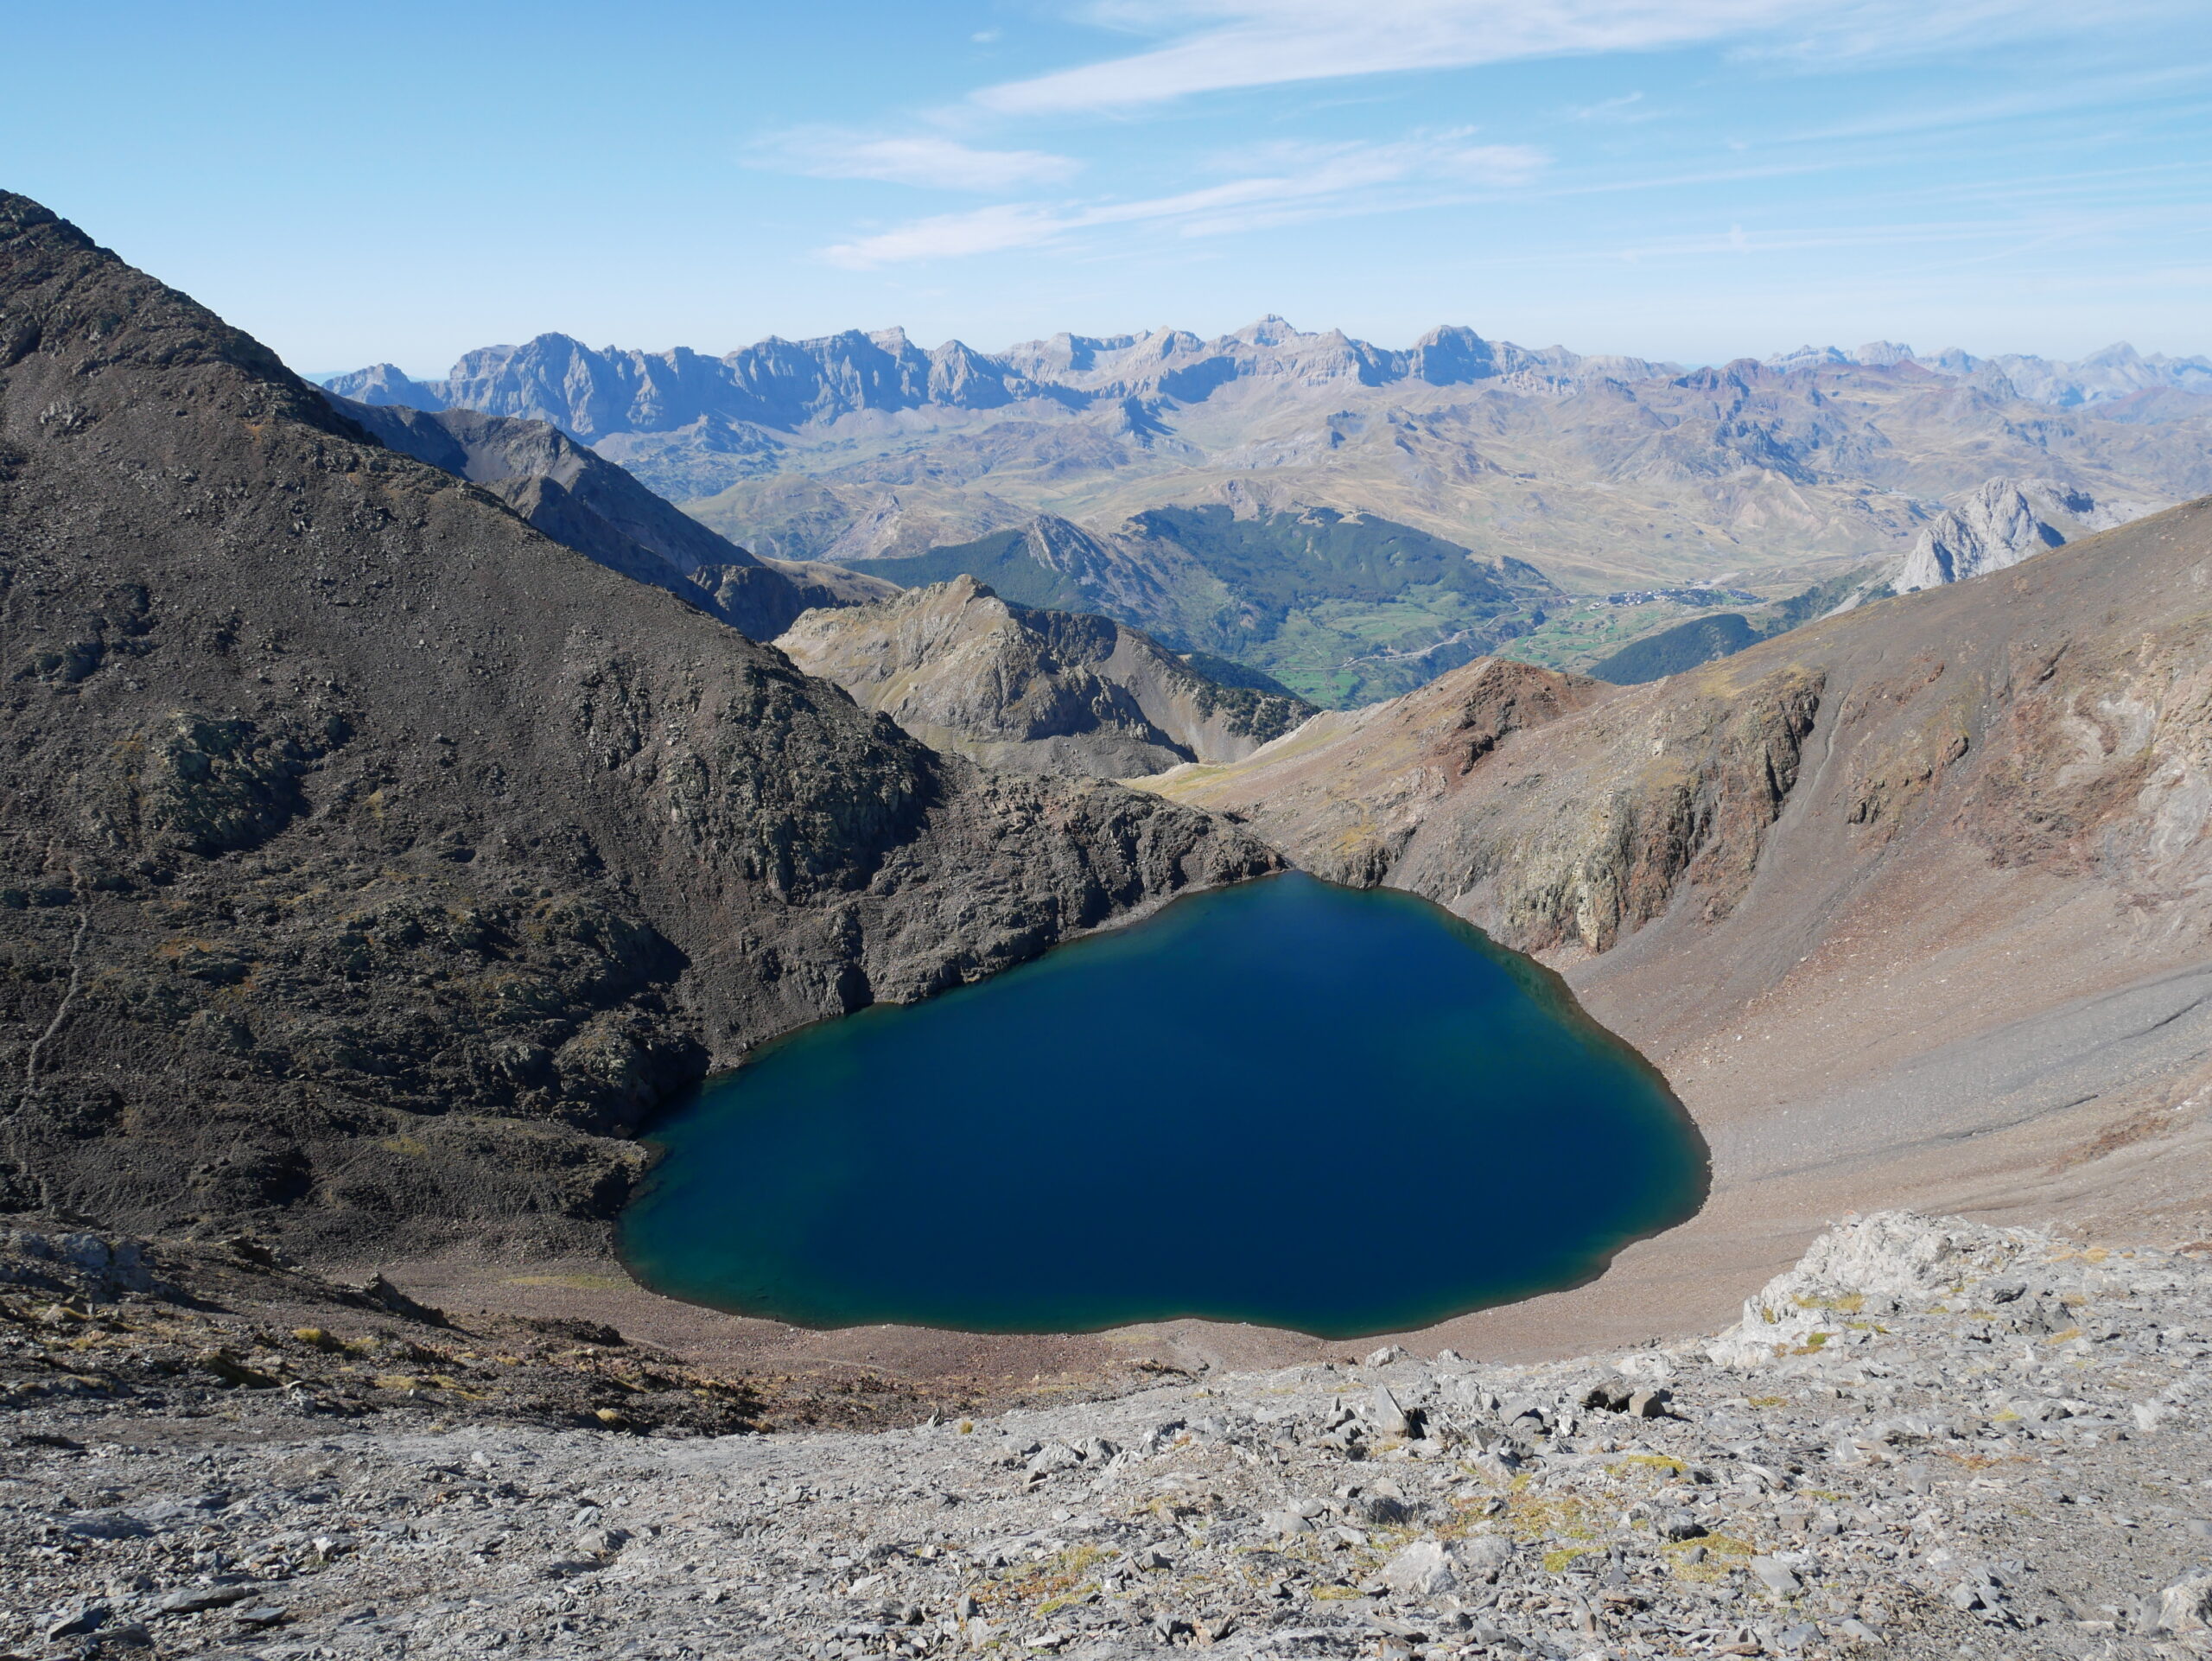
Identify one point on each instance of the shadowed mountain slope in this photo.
(578, 498)
(1042, 691)
(371, 864)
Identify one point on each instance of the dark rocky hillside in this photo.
(372, 866)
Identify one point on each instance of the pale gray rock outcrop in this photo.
(2003, 522)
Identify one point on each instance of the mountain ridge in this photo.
(372, 866)
(783, 385)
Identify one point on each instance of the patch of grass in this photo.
(1724, 1555)
(1647, 1462)
(1849, 1304)
(1055, 1583)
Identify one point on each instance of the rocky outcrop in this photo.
(1644, 801)
(2003, 522)
(1041, 691)
(1345, 794)
(2056, 725)
(371, 864)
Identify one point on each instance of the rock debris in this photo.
(1930, 1438)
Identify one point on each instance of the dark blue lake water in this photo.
(1336, 1110)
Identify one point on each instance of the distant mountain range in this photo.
(1606, 472)
(784, 386)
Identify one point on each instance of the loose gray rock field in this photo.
(1930, 1438)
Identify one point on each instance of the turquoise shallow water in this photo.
(1335, 1110)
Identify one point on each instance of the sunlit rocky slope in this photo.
(1911, 901)
(1042, 691)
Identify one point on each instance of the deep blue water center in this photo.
(1336, 1110)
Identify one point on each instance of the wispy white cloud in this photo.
(1217, 45)
(937, 163)
(1625, 108)
(1302, 182)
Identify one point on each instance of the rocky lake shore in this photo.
(1930, 1438)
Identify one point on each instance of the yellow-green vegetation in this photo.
(1723, 1553)
(1849, 1304)
(1055, 1583)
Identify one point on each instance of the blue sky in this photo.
(1691, 179)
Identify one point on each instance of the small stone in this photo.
(1390, 1418)
(1612, 1394)
(232, 1371)
(191, 1600)
(1486, 1551)
(1422, 1569)
(2186, 1606)
(76, 1619)
(1386, 1355)
(1776, 1576)
(1649, 1404)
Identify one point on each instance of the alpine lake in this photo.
(1335, 1110)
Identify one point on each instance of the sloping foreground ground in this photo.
(370, 864)
(1930, 1439)
(1910, 905)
